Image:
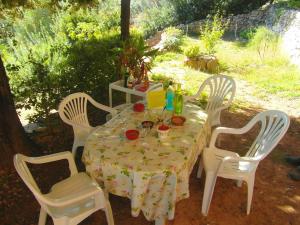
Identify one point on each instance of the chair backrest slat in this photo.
(274, 125)
(73, 109)
(220, 87)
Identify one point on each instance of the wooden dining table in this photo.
(152, 172)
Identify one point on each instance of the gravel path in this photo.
(248, 93)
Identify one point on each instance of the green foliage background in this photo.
(53, 54)
(53, 48)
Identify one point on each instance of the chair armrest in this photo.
(227, 130)
(72, 198)
(224, 153)
(104, 107)
(55, 157)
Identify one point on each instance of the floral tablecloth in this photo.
(153, 173)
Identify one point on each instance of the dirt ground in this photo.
(276, 198)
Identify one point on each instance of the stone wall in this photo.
(287, 25)
(236, 23)
(285, 22)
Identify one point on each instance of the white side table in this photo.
(119, 86)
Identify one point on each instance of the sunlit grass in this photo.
(272, 73)
(171, 66)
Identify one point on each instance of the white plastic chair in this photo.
(221, 88)
(73, 111)
(227, 164)
(70, 201)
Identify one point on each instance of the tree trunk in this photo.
(13, 138)
(125, 19)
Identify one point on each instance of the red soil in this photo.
(276, 198)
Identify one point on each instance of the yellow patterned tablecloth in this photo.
(153, 173)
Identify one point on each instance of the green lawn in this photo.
(272, 75)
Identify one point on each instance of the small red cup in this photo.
(132, 134)
(138, 107)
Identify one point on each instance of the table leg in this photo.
(110, 97)
(160, 221)
(128, 98)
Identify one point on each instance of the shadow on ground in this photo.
(276, 198)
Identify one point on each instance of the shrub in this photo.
(155, 17)
(70, 51)
(247, 34)
(294, 3)
(289, 3)
(136, 56)
(192, 51)
(171, 38)
(211, 33)
(264, 41)
(187, 11)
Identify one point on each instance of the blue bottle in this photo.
(170, 98)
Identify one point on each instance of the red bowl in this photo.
(178, 120)
(138, 107)
(132, 134)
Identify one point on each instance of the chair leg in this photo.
(210, 182)
(200, 167)
(106, 193)
(109, 214)
(216, 121)
(239, 183)
(62, 222)
(74, 149)
(250, 184)
(160, 221)
(43, 217)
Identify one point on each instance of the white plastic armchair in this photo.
(221, 88)
(73, 111)
(70, 201)
(227, 164)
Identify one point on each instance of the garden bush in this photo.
(155, 17)
(192, 51)
(188, 11)
(68, 51)
(264, 41)
(171, 38)
(247, 34)
(211, 32)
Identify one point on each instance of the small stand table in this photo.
(119, 86)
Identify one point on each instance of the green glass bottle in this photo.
(126, 76)
(178, 100)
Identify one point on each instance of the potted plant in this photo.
(211, 33)
(136, 58)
